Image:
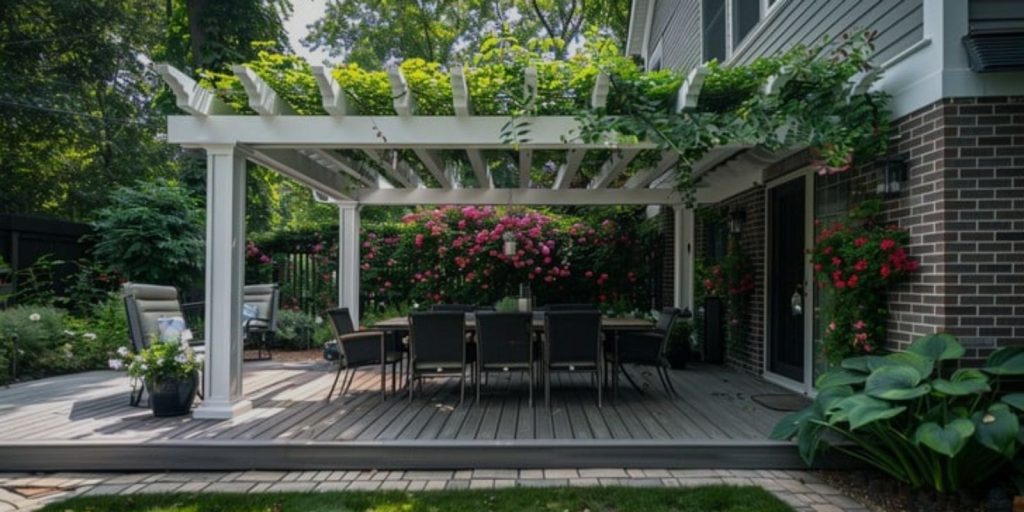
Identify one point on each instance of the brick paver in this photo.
(802, 490)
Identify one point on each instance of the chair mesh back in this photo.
(145, 305)
(666, 318)
(341, 321)
(465, 308)
(573, 336)
(503, 338)
(572, 307)
(438, 337)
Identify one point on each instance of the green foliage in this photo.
(507, 305)
(213, 34)
(296, 330)
(153, 233)
(36, 282)
(731, 280)
(812, 110)
(32, 339)
(857, 263)
(912, 416)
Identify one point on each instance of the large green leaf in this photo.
(859, 363)
(1006, 361)
(937, 347)
(840, 377)
(965, 381)
(923, 364)
(789, 425)
(828, 397)
(948, 440)
(1015, 400)
(896, 383)
(997, 429)
(808, 438)
(859, 410)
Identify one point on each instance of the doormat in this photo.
(784, 402)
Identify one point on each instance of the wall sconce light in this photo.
(736, 219)
(510, 246)
(891, 176)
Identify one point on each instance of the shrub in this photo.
(914, 417)
(34, 341)
(295, 329)
(152, 232)
(99, 334)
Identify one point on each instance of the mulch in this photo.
(883, 494)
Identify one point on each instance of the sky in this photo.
(305, 13)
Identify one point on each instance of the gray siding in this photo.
(899, 23)
(676, 24)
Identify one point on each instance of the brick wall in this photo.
(750, 357)
(668, 264)
(965, 212)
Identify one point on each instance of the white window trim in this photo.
(655, 57)
(767, 13)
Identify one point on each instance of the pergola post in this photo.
(348, 259)
(683, 257)
(225, 277)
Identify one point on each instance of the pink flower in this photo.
(418, 240)
(859, 242)
(264, 259)
(859, 325)
(887, 243)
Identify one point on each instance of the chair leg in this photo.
(350, 377)
(668, 380)
(478, 389)
(336, 377)
(462, 385)
(547, 387)
(531, 387)
(410, 385)
(630, 379)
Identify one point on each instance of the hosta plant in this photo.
(917, 415)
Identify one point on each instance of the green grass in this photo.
(718, 498)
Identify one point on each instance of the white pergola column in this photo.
(225, 277)
(348, 259)
(683, 257)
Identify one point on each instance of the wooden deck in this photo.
(81, 420)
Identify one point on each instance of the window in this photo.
(713, 29)
(745, 15)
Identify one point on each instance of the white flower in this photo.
(115, 364)
(35, 317)
(319, 320)
(160, 362)
(69, 333)
(138, 359)
(143, 367)
(181, 358)
(123, 351)
(91, 336)
(199, 359)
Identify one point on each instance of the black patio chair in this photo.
(571, 307)
(259, 329)
(438, 347)
(145, 305)
(504, 344)
(465, 308)
(359, 349)
(573, 344)
(645, 348)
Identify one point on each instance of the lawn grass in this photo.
(717, 498)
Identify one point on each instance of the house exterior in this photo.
(959, 132)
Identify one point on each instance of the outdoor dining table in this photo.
(610, 325)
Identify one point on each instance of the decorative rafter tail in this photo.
(335, 101)
(460, 92)
(774, 84)
(189, 95)
(405, 102)
(530, 86)
(262, 97)
(689, 92)
(599, 96)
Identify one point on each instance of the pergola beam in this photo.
(613, 168)
(463, 105)
(349, 167)
(189, 95)
(525, 165)
(405, 107)
(646, 176)
(689, 92)
(335, 101)
(517, 196)
(301, 168)
(262, 97)
(568, 170)
(397, 170)
(376, 132)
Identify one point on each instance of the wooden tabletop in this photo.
(609, 323)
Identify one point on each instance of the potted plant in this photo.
(170, 372)
(679, 343)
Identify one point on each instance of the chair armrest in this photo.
(360, 348)
(360, 335)
(248, 321)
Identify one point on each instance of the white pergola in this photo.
(312, 150)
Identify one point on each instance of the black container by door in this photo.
(714, 330)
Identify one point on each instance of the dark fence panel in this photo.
(24, 239)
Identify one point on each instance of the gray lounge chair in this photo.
(259, 331)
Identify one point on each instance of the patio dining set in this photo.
(450, 340)
(468, 343)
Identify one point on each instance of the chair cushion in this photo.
(171, 328)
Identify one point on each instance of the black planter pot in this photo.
(173, 398)
(678, 355)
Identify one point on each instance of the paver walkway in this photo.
(802, 490)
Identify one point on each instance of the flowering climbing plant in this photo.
(732, 280)
(857, 263)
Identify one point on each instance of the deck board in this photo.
(715, 404)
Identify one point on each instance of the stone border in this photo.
(801, 489)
